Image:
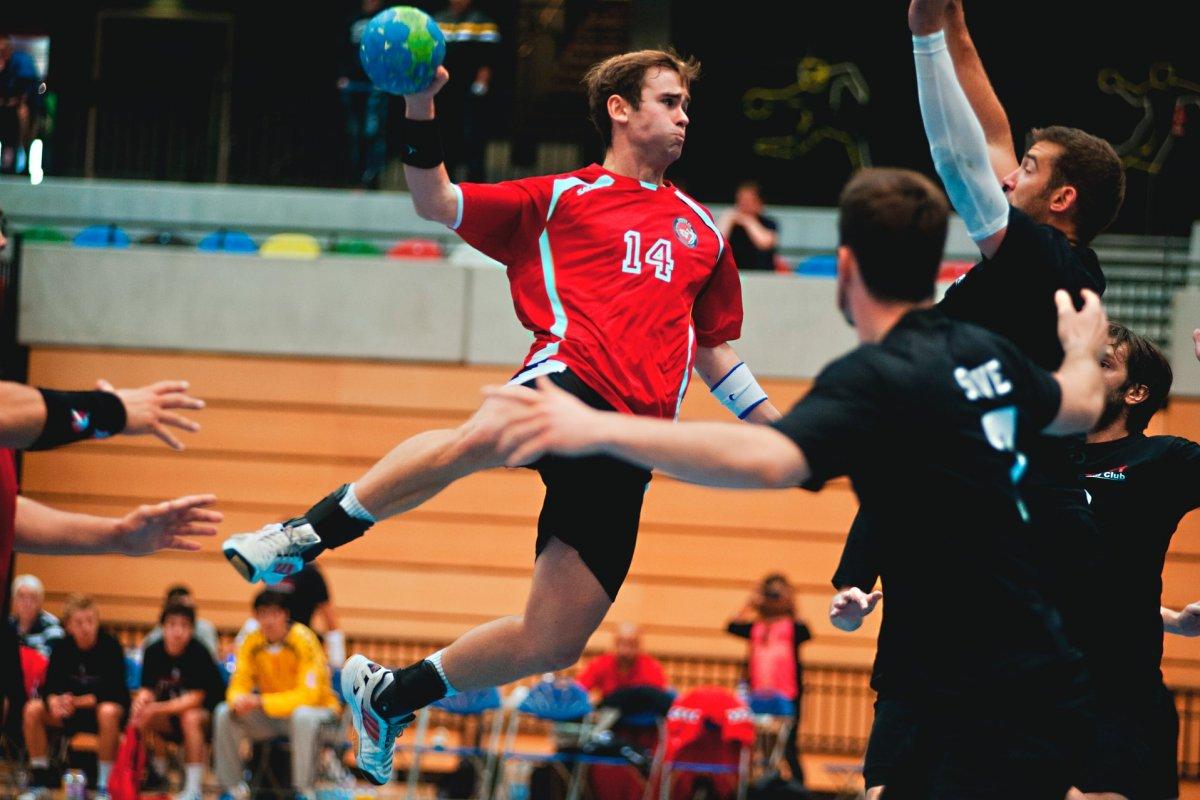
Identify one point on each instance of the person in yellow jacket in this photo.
(280, 687)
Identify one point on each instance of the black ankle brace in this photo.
(332, 523)
(413, 687)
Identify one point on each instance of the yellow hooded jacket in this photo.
(288, 675)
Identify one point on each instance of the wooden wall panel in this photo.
(279, 433)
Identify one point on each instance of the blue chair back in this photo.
(473, 702)
(133, 672)
(101, 236)
(771, 703)
(557, 701)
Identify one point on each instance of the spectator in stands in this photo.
(36, 627)
(280, 687)
(85, 691)
(624, 682)
(310, 598)
(769, 621)
(752, 235)
(14, 105)
(204, 631)
(180, 688)
(365, 106)
(625, 667)
(472, 42)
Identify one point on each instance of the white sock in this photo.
(350, 504)
(102, 775)
(39, 762)
(193, 780)
(436, 660)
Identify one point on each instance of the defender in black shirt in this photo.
(928, 417)
(1033, 220)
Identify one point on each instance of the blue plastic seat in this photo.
(101, 236)
(224, 241)
(820, 266)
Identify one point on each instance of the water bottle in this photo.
(74, 784)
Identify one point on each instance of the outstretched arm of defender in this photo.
(1182, 623)
(1084, 336)
(850, 606)
(550, 420)
(730, 381)
(434, 196)
(956, 136)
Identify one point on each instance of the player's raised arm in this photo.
(1181, 623)
(956, 137)
(434, 196)
(984, 102)
(732, 383)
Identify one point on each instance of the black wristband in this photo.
(332, 523)
(422, 144)
(73, 416)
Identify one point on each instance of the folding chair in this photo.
(484, 752)
(709, 732)
(774, 716)
(565, 704)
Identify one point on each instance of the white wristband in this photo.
(738, 391)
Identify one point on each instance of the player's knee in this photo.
(192, 719)
(560, 652)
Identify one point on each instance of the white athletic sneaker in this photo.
(361, 678)
(272, 553)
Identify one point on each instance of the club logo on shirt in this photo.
(1117, 474)
(685, 233)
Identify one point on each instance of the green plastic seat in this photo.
(355, 247)
(41, 233)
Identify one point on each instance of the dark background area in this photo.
(285, 123)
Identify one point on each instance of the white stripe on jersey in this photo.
(687, 370)
(705, 218)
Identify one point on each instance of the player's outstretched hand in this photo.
(548, 420)
(169, 525)
(849, 606)
(149, 409)
(1189, 620)
(926, 16)
(1083, 332)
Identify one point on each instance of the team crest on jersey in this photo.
(685, 233)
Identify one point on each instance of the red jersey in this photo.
(618, 280)
(605, 675)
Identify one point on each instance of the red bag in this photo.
(125, 779)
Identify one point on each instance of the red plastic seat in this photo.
(416, 248)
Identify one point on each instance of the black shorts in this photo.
(82, 721)
(978, 753)
(593, 503)
(1135, 750)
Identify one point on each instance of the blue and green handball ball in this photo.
(401, 49)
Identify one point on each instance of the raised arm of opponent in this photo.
(1182, 623)
(962, 152)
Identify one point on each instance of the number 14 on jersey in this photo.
(658, 255)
